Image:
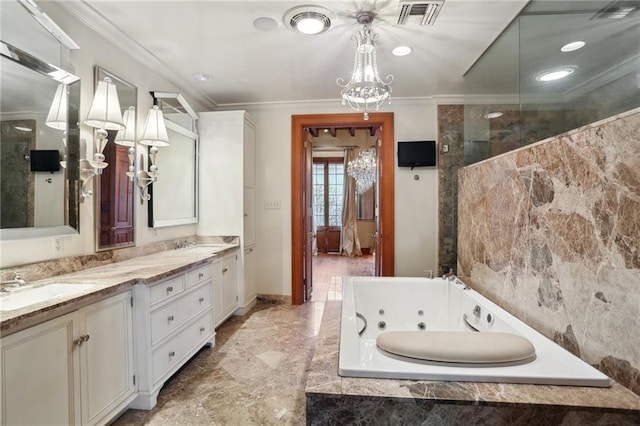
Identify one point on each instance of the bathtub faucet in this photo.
(449, 276)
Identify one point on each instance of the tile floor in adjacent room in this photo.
(256, 373)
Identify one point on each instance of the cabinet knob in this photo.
(224, 271)
(169, 289)
(172, 354)
(202, 329)
(201, 300)
(80, 340)
(170, 318)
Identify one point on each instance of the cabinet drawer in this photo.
(173, 315)
(198, 275)
(173, 352)
(166, 290)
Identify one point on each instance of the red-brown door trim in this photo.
(386, 187)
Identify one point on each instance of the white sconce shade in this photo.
(105, 108)
(57, 117)
(155, 132)
(127, 136)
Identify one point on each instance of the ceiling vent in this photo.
(415, 13)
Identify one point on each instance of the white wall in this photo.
(97, 51)
(416, 201)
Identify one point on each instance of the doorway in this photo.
(301, 161)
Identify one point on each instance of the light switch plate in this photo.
(272, 204)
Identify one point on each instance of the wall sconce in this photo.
(87, 173)
(104, 115)
(154, 135)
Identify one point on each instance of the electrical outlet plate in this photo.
(57, 244)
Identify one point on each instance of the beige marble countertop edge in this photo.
(109, 280)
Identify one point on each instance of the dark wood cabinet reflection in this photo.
(116, 198)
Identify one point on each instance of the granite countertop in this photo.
(324, 381)
(109, 279)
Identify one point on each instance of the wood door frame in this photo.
(386, 187)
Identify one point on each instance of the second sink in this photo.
(31, 296)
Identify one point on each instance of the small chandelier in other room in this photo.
(363, 169)
(366, 91)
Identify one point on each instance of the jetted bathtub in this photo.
(375, 305)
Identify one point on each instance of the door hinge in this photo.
(131, 299)
(236, 298)
(236, 257)
(134, 379)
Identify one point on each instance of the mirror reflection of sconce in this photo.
(127, 137)
(57, 117)
(154, 135)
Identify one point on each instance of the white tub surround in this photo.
(332, 399)
(444, 309)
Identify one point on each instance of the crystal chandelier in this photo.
(363, 169)
(365, 91)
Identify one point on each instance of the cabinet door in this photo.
(106, 358)
(229, 284)
(249, 153)
(249, 216)
(218, 294)
(40, 375)
(249, 274)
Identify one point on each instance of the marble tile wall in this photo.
(450, 133)
(551, 232)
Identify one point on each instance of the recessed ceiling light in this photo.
(401, 51)
(494, 114)
(555, 74)
(23, 129)
(574, 45)
(265, 23)
(201, 76)
(308, 19)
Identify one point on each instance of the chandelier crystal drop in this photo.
(365, 91)
(363, 169)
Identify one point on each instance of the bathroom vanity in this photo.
(85, 357)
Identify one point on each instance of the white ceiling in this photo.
(179, 38)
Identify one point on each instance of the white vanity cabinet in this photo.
(74, 369)
(174, 319)
(225, 286)
(227, 188)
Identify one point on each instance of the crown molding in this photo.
(107, 29)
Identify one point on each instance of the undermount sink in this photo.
(31, 296)
(206, 248)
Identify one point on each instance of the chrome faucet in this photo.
(17, 281)
(449, 276)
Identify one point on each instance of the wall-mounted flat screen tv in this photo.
(417, 154)
(45, 160)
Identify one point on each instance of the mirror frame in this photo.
(99, 74)
(72, 152)
(160, 223)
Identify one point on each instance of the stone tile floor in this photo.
(256, 373)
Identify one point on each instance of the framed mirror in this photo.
(40, 147)
(174, 195)
(114, 198)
